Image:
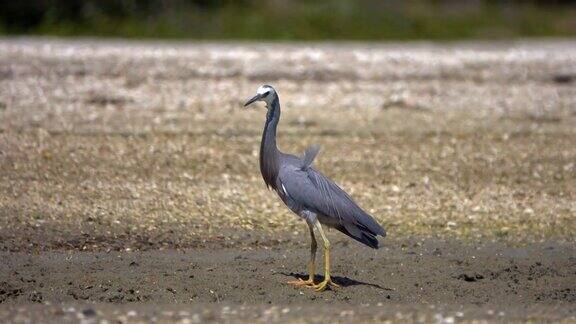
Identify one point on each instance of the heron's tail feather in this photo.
(309, 156)
(364, 237)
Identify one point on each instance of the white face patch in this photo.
(266, 89)
(263, 90)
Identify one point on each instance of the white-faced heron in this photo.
(309, 194)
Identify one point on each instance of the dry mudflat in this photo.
(130, 189)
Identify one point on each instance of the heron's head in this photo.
(265, 93)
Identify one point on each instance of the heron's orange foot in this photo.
(300, 282)
(325, 284)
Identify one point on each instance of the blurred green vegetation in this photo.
(290, 19)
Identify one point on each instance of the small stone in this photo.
(89, 312)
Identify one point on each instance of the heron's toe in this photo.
(300, 282)
(325, 284)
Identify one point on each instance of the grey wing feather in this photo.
(313, 191)
(309, 156)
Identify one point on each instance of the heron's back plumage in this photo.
(308, 189)
(309, 156)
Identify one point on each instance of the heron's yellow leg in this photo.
(327, 282)
(311, 264)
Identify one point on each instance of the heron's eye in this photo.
(265, 94)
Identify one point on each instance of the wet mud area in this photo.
(491, 277)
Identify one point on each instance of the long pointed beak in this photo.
(256, 97)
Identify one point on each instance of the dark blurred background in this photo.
(290, 19)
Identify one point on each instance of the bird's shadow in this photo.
(342, 281)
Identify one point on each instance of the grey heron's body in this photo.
(307, 192)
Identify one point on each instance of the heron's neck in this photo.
(269, 163)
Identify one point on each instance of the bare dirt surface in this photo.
(486, 281)
(130, 190)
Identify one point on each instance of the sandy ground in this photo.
(130, 190)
